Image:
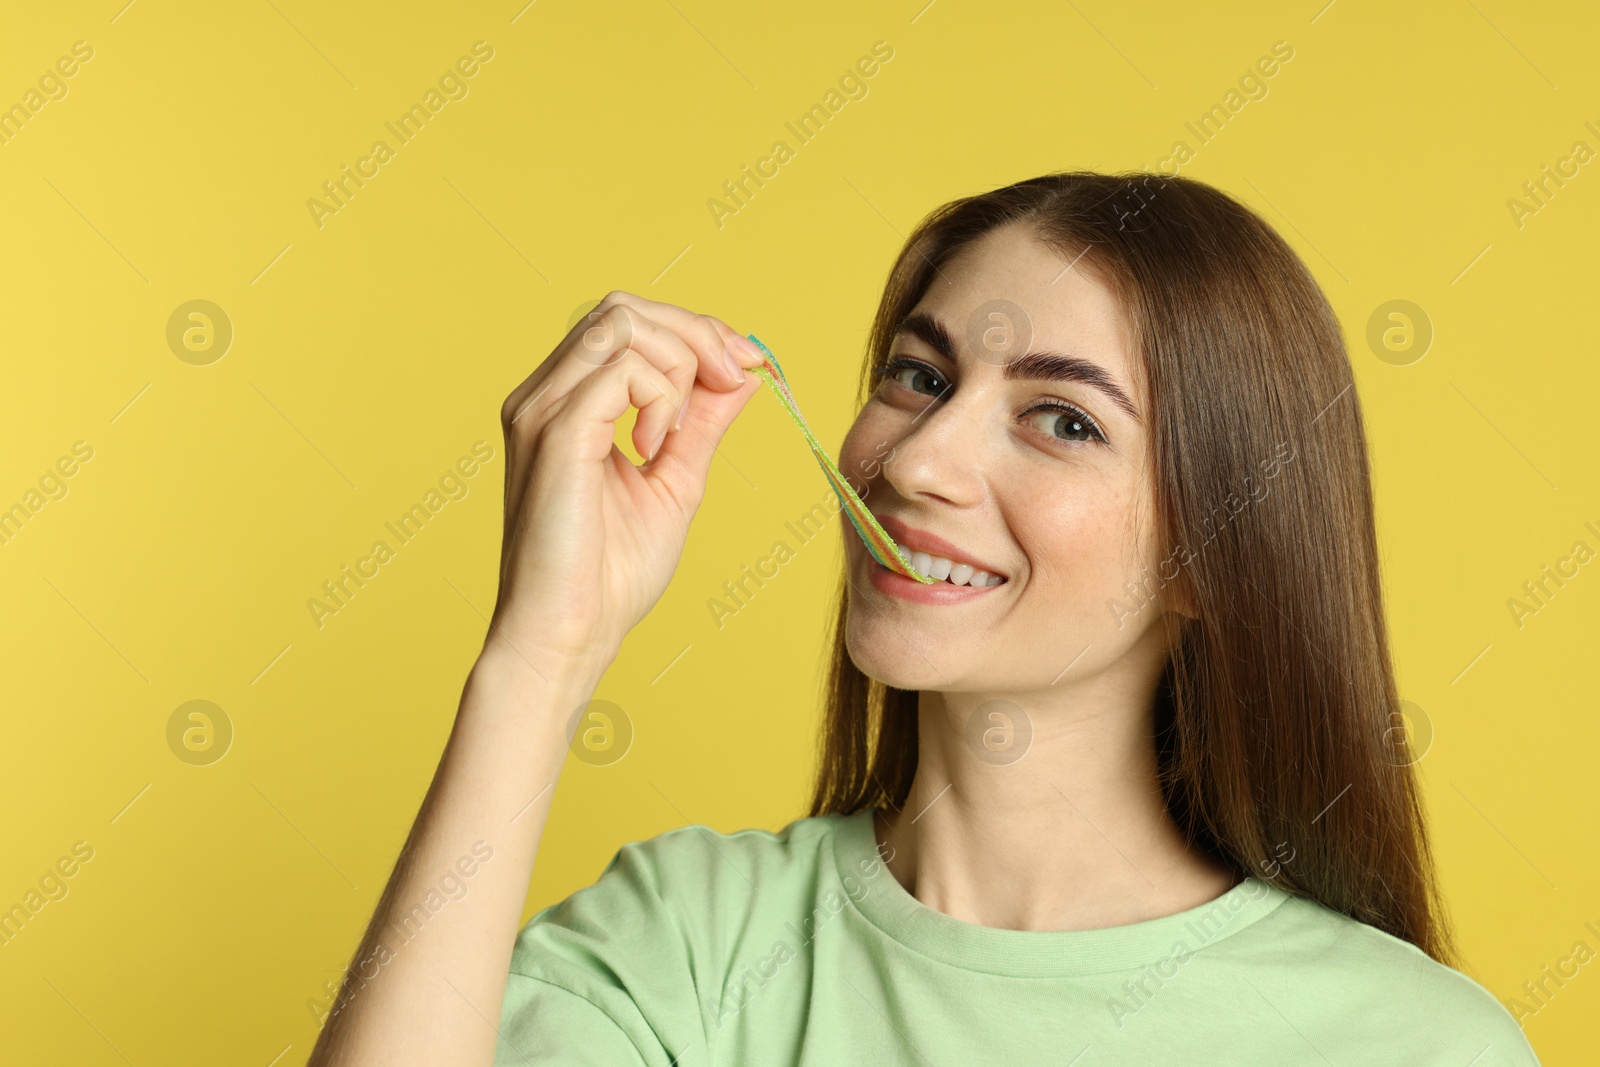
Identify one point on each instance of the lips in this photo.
(914, 540)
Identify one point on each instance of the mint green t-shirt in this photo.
(799, 947)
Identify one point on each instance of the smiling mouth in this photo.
(948, 572)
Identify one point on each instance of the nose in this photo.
(942, 455)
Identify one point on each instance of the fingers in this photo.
(695, 328)
(612, 327)
(713, 342)
(684, 460)
(583, 428)
(692, 384)
(595, 344)
(595, 341)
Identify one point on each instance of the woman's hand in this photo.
(591, 540)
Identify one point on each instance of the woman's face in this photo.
(1037, 473)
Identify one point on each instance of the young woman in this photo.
(1129, 784)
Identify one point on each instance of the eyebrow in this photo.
(1041, 366)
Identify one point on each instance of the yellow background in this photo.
(370, 353)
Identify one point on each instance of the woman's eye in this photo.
(1061, 421)
(913, 375)
(1065, 423)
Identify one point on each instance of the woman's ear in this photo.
(1178, 596)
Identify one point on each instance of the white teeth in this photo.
(941, 569)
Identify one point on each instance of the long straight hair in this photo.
(1280, 746)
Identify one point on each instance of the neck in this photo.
(1072, 835)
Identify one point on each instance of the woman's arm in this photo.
(589, 544)
(426, 986)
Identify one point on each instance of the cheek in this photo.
(864, 449)
(1082, 541)
(1073, 557)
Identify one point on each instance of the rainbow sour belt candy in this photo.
(877, 539)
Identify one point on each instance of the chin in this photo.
(884, 656)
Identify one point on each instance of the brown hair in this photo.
(1280, 748)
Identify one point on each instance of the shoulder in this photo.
(690, 885)
(699, 855)
(654, 932)
(1379, 976)
(701, 873)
